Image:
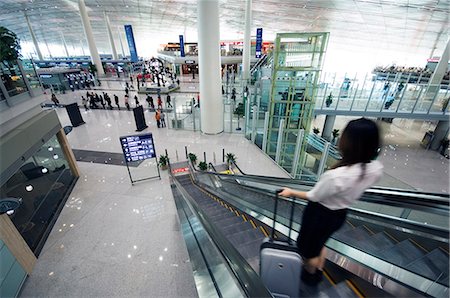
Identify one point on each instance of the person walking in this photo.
(337, 189)
(84, 103)
(386, 88)
(136, 100)
(116, 100)
(54, 99)
(159, 102)
(102, 102)
(158, 118)
(168, 102)
(127, 104)
(162, 117)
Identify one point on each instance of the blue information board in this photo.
(138, 147)
(182, 46)
(258, 42)
(131, 43)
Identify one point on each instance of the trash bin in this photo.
(427, 139)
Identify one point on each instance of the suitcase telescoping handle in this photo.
(291, 217)
(275, 209)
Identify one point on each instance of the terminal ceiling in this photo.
(402, 26)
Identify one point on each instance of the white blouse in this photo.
(341, 187)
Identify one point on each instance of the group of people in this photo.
(423, 72)
(160, 118)
(389, 96)
(102, 101)
(155, 72)
(83, 80)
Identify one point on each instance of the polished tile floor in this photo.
(117, 239)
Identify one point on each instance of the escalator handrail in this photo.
(398, 196)
(439, 233)
(424, 229)
(248, 279)
(308, 183)
(311, 183)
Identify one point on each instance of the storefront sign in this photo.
(189, 61)
(182, 46)
(131, 43)
(258, 42)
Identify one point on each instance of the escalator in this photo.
(374, 253)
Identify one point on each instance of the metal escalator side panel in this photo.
(392, 279)
(248, 279)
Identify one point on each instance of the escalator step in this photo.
(209, 204)
(215, 210)
(251, 249)
(217, 217)
(382, 241)
(433, 265)
(402, 253)
(236, 228)
(226, 222)
(245, 237)
(444, 279)
(339, 290)
(353, 236)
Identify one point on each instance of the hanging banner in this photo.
(258, 43)
(131, 43)
(182, 46)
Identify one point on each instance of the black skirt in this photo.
(318, 224)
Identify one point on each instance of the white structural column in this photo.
(247, 41)
(65, 44)
(110, 35)
(33, 37)
(95, 58)
(211, 105)
(441, 67)
(48, 49)
(121, 44)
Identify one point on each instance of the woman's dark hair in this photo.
(359, 143)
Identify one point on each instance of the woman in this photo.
(336, 190)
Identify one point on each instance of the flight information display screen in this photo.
(138, 147)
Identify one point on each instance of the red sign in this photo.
(180, 170)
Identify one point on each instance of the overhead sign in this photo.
(138, 147)
(258, 42)
(131, 43)
(182, 46)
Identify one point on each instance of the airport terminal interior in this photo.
(143, 143)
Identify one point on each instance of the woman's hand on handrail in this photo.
(288, 192)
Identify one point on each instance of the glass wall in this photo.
(42, 182)
(12, 78)
(30, 73)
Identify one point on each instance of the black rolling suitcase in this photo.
(280, 263)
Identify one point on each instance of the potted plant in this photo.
(9, 52)
(335, 134)
(316, 130)
(163, 162)
(203, 166)
(193, 158)
(329, 100)
(230, 158)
